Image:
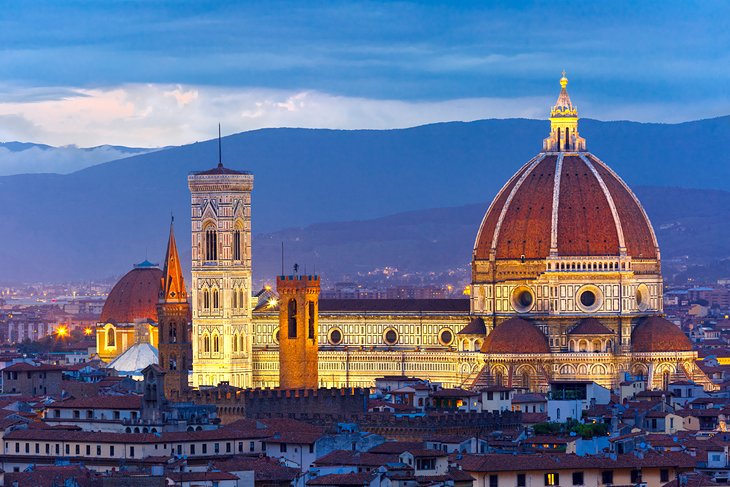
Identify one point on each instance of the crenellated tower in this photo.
(221, 273)
(173, 312)
(298, 330)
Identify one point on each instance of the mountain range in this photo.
(28, 157)
(98, 221)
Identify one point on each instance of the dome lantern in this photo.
(564, 135)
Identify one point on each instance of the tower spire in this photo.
(564, 124)
(173, 284)
(220, 150)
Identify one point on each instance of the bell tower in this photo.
(173, 311)
(298, 329)
(221, 274)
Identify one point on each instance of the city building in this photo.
(566, 286)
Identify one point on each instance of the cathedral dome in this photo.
(656, 334)
(516, 335)
(565, 204)
(134, 296)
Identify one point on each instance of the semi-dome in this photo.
(134, 296)
(656, 334)
(569, 204)
(516, 335)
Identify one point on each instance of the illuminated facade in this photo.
(129, 315)
(566, 285)
(221, 276)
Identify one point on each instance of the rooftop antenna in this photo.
(220, 152)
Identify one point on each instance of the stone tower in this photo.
(221, 273)
(298, 325)
(173, 312)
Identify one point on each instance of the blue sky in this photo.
(160, 73)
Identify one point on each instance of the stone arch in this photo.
(598, 369)
(582, 369)
(527, 376)
(499, 374)
(478, 345)
(567, 369)
(639, 369)
(111, 337)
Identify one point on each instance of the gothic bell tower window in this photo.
(211, 244)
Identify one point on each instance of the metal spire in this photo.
(220, 153)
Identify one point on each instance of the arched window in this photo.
(241, 302)
(206, 299)
(292, 315)
(173, 333)
(215, 299)
(498, 378)
(665, 380)
(237, 244)
(311, 319)
(216, 344)
(206, 343)
(235, 299)
(235, 342)
(526, 380)
(242, 344)
(211, 243)
(111, 338)
(173, 362)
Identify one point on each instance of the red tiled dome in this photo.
(655, 334)
(596, 213)
(516, 336)
(134, 297)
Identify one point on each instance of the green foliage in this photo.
(584, 430)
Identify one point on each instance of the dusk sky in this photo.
(152, 74)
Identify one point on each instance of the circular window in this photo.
(589, 298)
(390, 336)
(642, 297)
(522, 299)
(275, 336)
(335, 336)
(446, 336)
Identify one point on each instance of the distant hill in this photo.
(98, 221)
(27, 157)
(690, 225)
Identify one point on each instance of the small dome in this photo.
(135, 359)
(516, 336)
(590, 326)
(656, 334)
(134, 297)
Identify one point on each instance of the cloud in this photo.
(62, 160)
(156, 115)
